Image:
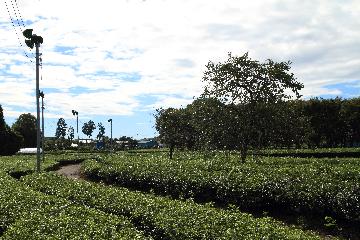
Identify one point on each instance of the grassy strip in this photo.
(330, 187)
(27, 214)
(163, 217)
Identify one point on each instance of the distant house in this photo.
(85, 141)
(147, 143)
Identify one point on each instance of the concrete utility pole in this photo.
(31, 40)
(110, 121)
(42, 95)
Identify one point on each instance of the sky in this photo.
(123, 59)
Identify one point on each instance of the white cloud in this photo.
(167, 43)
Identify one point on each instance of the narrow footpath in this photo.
(70, 171)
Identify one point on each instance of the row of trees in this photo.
(62, 130)
(251, 105)
(88, 128)
(23, 134)
(207, 124)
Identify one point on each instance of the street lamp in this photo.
(77, 122)
(110, 121)
(31, 41)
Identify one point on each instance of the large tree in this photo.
(10, 141)
(88, 128)
(174, 128)
(209, 120)
(251, 89)
(61, 127)
(71, 133)
(101, 131)
(25, 125)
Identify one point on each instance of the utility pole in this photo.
(77, 123)
(110, 121)
(42, 95)
(31, 40)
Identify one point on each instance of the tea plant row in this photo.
(330, 187)
(27, 214)
(163, 217)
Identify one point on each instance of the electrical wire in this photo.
(21, 19)
(16, 15)
(19, 13)
(17, 35)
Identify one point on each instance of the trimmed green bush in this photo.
(165, 218)
(27, 214)
(329, 187)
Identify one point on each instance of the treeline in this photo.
(209, 124)
(12, 138)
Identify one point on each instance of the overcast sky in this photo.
(122, 59)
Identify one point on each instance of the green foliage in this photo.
(25, 125)
(2, 120)
(61, 129)
(20, 165)
(164, 218)
(174, 128)
(71, 133)
(10, 141)
(88, 128)
(334, 122)
(101, 131)
(125, 143)
(327, 186)
(27, 214)
(242, 107)
(243, 80)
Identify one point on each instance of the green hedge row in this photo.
(27, 214)
(330, 187)
(315, 153)
(165, 218)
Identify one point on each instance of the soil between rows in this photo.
(71, 171)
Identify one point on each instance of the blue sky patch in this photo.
(348, 90)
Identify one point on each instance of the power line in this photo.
(17, 35)
(21, 18)
(19, 13)
(17, 19)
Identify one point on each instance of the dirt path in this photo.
(71, 171)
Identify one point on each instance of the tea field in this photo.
(145, 195)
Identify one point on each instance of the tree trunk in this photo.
(243, 153)
(171, 152)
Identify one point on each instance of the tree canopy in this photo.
(252, 90)
(173, 127)
(88, 128)
(10, 141)
(25, 125)
(101, 131)
(242, 80)
(61, 129)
